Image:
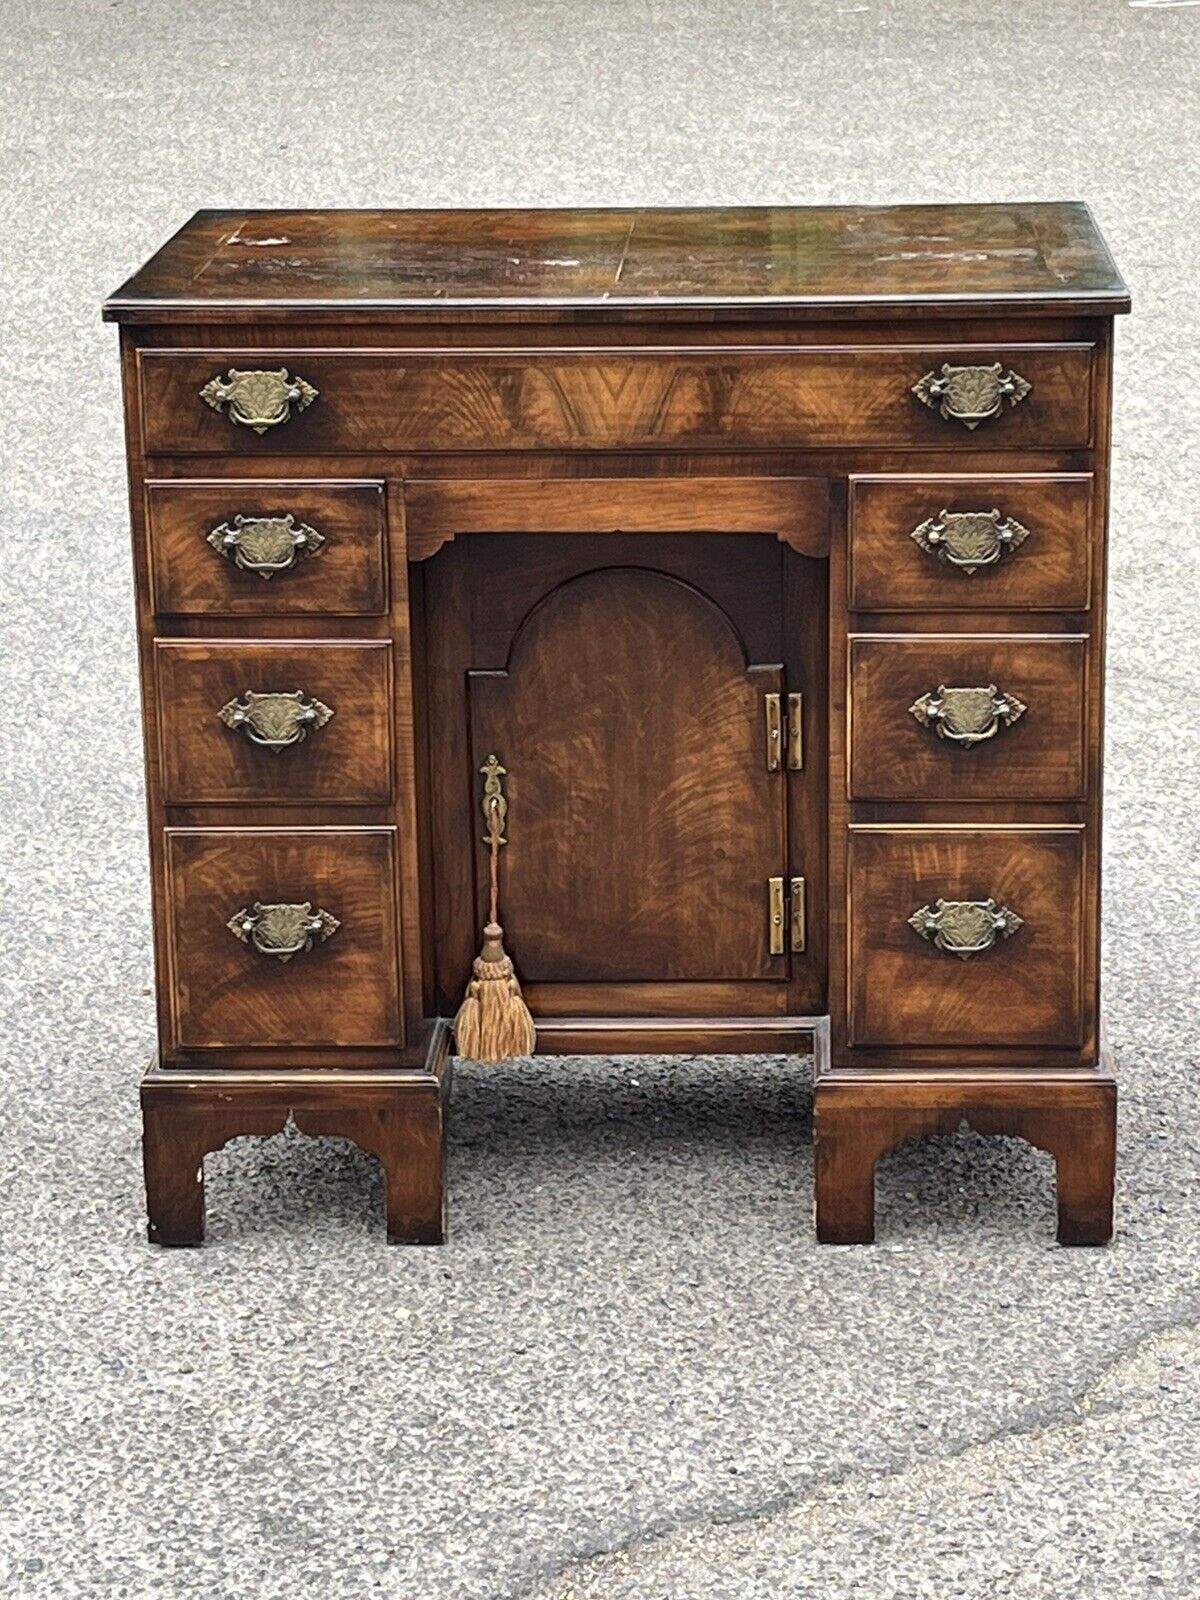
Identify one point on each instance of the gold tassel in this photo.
(493, 1023)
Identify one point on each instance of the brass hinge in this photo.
(796, 921)
(784, 734)
(774, 731)
(775, 934)
(799, 927)
(795, 733)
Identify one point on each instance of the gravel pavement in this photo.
(632, 1373)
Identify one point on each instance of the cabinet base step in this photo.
(712, 1036)
(397, 1116)
(861, 1114)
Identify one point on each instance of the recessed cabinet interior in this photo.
(636, 689)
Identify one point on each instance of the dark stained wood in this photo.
(848, 259)
(394, 333)
(859, 1117)
(348, 761)
(1023, 991)
(1049, 571)
(400, 1118)
(344, 991)
(1038, 757)
(796, 510)
(588, 481)
(346, 577)
(581, 400)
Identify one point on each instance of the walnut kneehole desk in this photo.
(764, 550)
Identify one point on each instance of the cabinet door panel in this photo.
(643, 821)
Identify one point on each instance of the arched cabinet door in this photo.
(644, 821)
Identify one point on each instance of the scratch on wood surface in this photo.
(959, 255)
(633, 222)
(223, 242)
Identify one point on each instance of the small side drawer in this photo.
(344, 989)
(971, 543)
(967, 717)
(275, 722)
(1024, 987)
(245, 547)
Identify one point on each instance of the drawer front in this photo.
(275, 722)
(971, 543)
(588, 399)
(1023, 986)
(344, 989)
(243, 547)
(967, 717)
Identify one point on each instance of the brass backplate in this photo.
(494, 799)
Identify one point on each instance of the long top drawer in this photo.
(267, 401)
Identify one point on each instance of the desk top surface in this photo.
(859, 261)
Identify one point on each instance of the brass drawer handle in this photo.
(265, 545)
(971, 395)
(274, 721)
(258, 400)
(969, 539)
(282, 931)
(967, 716)
(965, 928)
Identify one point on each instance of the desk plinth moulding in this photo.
(763, 551)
